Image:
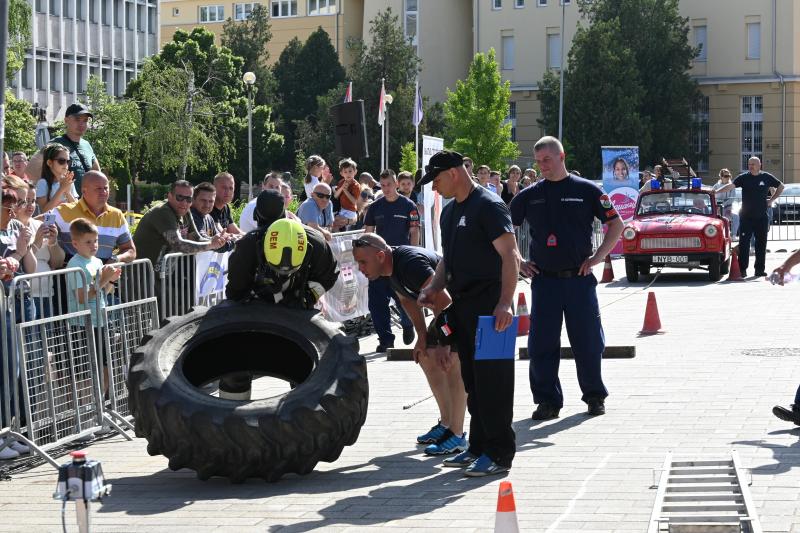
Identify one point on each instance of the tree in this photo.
(662, 56)
(598, 54)
(476, 114)
(304, 72)
(408, 158)
(19, 35)
(248, 39)
(113, 129)
(20, 126)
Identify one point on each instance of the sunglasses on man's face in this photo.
(181, 198)
(322, 196)
(363, 243)
(366, 196)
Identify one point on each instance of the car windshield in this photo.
(675, 202)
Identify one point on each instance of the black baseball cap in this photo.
(269, 207)
(440, 162)
(78, 109)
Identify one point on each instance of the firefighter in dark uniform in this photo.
(560, 211)
(479, 269)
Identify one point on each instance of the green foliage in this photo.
(113, 130)
(248, 39)
(640, 78)
(299, 167)
(304, 72)
(20, 126)
(19, 35)
(433, 120)
(476, 113)
(599, 53)
(236, 210)
(315, 134)
(408, 158)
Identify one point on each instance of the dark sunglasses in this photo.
(61, 161)
(182, 198)
(366, 196)
(322, 195)
(363, 243)
(726, 175)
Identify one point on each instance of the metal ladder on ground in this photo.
(703, 496)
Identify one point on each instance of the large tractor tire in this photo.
(266, 438)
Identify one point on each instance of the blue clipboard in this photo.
(490, 345)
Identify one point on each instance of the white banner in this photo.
(432, 200)
(211, 273)
(347, 299)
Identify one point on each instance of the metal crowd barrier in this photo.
(130, 313)
(177, 287)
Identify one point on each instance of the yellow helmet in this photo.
(285, 245)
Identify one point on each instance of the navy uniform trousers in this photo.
(489, 383)
(574, 299)
(753, 228)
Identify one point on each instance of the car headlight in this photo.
(710, 231)
(629, 234)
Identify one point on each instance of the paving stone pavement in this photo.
(695, 389)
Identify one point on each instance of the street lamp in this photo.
(389, 99)
(249, 79)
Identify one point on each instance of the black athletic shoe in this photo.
(787, 415)
(383, 348)
(761, 274)
(597, 407)
(545, 412)
(408, 335)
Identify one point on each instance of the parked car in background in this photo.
(679, 228)
(787, 206)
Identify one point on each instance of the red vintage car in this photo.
(677, 228)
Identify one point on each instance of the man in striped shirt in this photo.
(110, 221)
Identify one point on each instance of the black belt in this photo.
(569, 273)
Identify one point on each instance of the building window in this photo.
(754, 40)
(410, 21)
(323, 7)
(41, 6)
(80, 79)
(66, 9)
(507, 43)
(212, 13)
(151, 21)
(119, 83)
(541, 3)
(66, 79)
(752, 128)
(141, 24)
(80, 13)
(698, 134)
(554, 50)
(512, 119)
(93, 17)
(176, 11)
(40, 66)
(26, 68)
(106, 12)
(701, 42)
(55, 7)
(519, 3)
(119, 13)
(243, 11)
(54, 76)
(566, 2)
(497, 4)
(130, 23)
(284, 8)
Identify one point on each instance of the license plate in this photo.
(670, 259)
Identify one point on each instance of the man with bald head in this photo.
(317, 211)
(115, 242)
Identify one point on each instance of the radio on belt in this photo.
(81, 479)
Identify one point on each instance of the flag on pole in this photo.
(348, 96)
(418, 108)
(382, 106)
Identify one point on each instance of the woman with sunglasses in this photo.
(56, 185)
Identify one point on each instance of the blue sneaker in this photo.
(433, 435)
(452, 444)
(484, 466)
(462, 460)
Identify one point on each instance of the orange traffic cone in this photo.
(524, 324)
(735, 273)
(652, 322)
(506, 518)
(608, 271)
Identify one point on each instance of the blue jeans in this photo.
(575, 301)
(379, 293)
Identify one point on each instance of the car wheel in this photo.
(631, 271)
(644, 269)
(726, 266)
(265, 438)
(715, 269)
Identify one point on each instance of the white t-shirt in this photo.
(41, 190)
(246, 221)
(309, 187)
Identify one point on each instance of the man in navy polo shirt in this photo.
(753, 217)
(394, 217)
(560, 211)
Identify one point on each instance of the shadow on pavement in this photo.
(166, 491)
(787, 457)
(530, 433)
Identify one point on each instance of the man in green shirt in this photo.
(81, 154)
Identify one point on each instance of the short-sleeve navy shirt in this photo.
(411, 268)
(561, 214)
(393, 220)
(755, 191)
(468, 230)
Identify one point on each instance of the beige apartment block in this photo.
(749, 73)
(342, 19)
